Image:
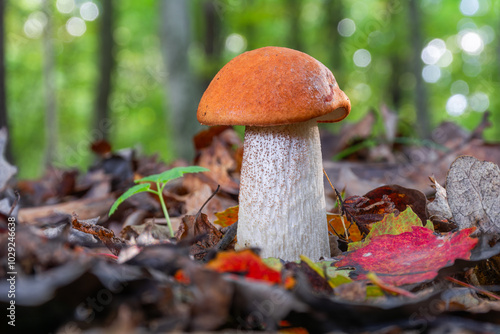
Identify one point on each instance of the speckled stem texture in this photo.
(281, 202)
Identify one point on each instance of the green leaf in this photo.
(172, 174)
(334, 276)
(273, 263)
(132, 191)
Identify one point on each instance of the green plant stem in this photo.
(159, 193)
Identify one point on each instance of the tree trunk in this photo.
(421, 101)
(294, 9)
(212, 29)
(181, 89)
(250, 29)
(106, 69)
(394, 84)
(51, 124)
(213, 42)
(3, 102)
(334, 10)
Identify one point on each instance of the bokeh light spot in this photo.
(89, 11)
(34, 25)
(469, 7)
(362, 58)
(456, 105)
(362, 92)
(76, 26)
(346, 27)
(236, 43)
(472, 43)
(65, 6)
(433, 51)
(487, 34)
(431, 73)
(446, 59)
(459, 87)
(479, 102)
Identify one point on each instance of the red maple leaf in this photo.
(409, 257)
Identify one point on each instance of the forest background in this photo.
(76, 71)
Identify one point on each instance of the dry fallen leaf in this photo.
(338, 225)
(439, 207)
(198, 226)
(473, 189)
(401, 197)
(227, 217)
(218, 158)
(439, 210)
(107, 236)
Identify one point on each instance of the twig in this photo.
(331, 185)
(344, 211)
(228, 237)
(211, 196)
(339, 200)
(14, 204)
(482, 291)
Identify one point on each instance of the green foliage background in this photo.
(138, 103)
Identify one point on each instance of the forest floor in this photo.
(414, 243)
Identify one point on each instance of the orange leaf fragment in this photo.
(227, 217)
(337, 225)
(244, 262)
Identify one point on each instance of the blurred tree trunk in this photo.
(249, 28)
(51, 124)
(294, 10)
(394, 83)
(421, 100)
(106, 69)
(3, 102)
(212, 29)
(181, 89)
(334, 14)
(213, 42)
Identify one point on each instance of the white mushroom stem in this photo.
(281, 203)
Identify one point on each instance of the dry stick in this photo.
(224, 242)
(340, 201)
(336, 233)
(484, 292)
(228, 237)
(231, 231)
(211, 196)
(13, 206)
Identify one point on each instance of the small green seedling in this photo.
(161, 181)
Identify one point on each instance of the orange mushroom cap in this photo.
(272, 86)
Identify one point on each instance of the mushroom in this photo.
(279, 94)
